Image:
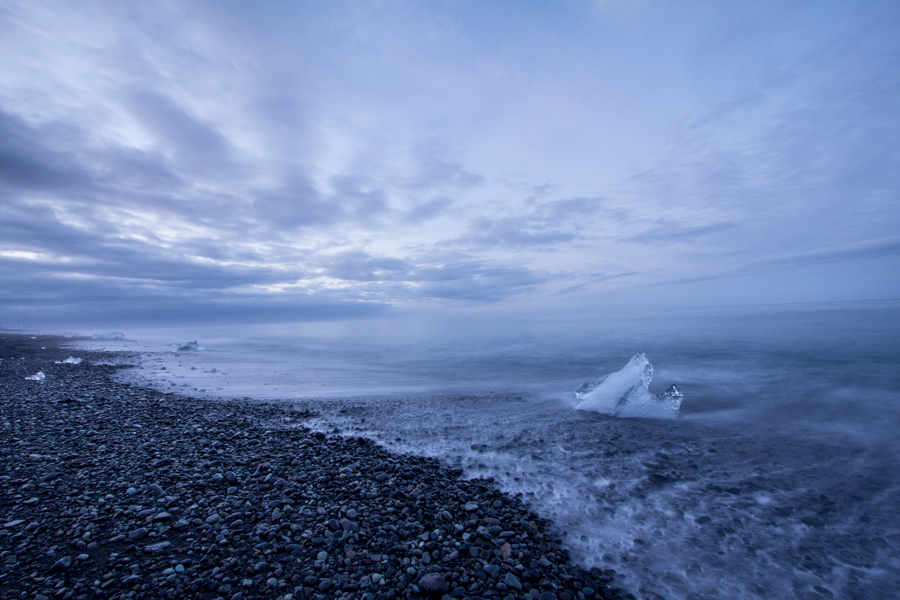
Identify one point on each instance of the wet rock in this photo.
(62, 565)
(433, 584)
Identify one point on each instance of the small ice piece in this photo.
(69, 361)
(39, 376)
(109, 335)
(189, 347)
(625, 393)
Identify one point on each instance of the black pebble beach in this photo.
(114, 491)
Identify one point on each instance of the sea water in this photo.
(780, 479)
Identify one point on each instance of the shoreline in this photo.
(109, 490)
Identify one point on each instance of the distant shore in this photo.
(115, 491)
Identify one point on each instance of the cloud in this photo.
(545, 224)
(191, 144)
(668, 231)
(213, 154)
(867, 250)
(27, 163)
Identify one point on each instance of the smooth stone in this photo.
(213, 519)
(433, 584)
(138, 534)
(512, 581)
(158, 546)
(62, 565)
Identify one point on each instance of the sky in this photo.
(238, 162)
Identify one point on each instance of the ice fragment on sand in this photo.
(69, 361)
(39, 376)
(625, 393)
(109, 335)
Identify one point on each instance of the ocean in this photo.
(780, 479)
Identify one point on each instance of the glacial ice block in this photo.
(626, 393)
(109, 335)
(188, 347)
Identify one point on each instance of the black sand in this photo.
(114, 491)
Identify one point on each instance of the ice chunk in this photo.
(69, 361)
(109, 335)
(39, 376)
(626, 393)
(189, 347)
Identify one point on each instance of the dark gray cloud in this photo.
(26, 162)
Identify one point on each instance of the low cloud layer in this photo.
(163, 163)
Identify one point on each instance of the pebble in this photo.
(62, 565)
(433, 584)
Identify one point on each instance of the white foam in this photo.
(69, 361)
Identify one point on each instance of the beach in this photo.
(111, 490)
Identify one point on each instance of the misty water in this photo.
(779, 480)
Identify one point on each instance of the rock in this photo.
(433, 584)
(155, 489)
(62, 565)
(230, 476)
(138, 534)
(158, 546)
(213, 519)
(471, 506)
(512, 581)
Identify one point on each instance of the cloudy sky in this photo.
(244, 161)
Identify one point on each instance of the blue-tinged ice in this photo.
(39, 376)
(109, 335)
(626, 393)
(189, 347)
